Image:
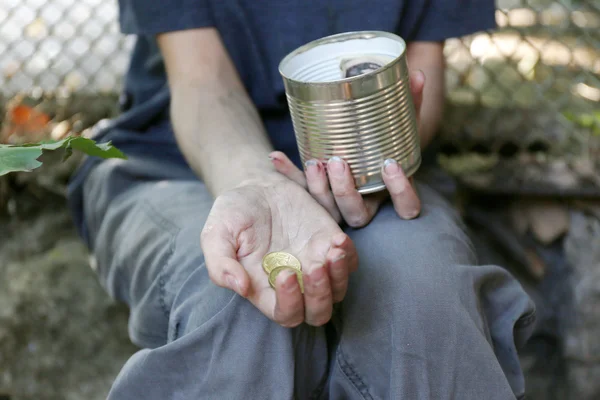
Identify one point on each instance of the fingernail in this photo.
(339, 239)
(391, 167)
(336, 165)
(317, 276)
(233, 283)
(338, 258)
(411, 214)
(289, 284)
(311, 163)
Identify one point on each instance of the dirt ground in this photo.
(61, 336)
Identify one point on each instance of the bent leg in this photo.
(201, 341)
(422, 321)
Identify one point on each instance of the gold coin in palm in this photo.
(280, 259)
(277, 270)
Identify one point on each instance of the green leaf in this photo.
(91, 148)
(15, 158)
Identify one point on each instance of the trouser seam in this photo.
(162, 281)
(167, 225)
(352, 375)
(163, 292)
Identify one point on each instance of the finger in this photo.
(405, 199)
(221, 260)
(318, 186)
(338, 273)
(289, 308)
(285, 166)
(417, 84)
(349, 201)
(343, 242)
(318, 300)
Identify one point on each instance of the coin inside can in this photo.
(355, 66)
(349, 96)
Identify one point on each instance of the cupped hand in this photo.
(277, 214)
(332, 184)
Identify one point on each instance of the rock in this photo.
(590, 206)
(582, 336)
(548, 220)
(560, 175)
(585, 167)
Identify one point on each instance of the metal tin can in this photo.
(349, 96)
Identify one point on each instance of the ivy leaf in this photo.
(15, 158)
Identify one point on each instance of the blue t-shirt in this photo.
(257, 35)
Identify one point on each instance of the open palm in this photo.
(248, 222)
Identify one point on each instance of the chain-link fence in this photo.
(60, 44)
(543, 61)
(534, 80)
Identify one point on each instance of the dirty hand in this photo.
(333, 187)
(277, 214)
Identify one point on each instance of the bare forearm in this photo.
(216, 125)
(432, 108)
(220, 133)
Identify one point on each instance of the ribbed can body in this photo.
(363, 119)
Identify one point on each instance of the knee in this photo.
(437, 234)
(417, 291)
(425, 248)
(422, 263)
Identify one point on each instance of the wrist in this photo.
(261, 177)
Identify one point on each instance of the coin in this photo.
(278, 259)
(277, 270)
(362, 65)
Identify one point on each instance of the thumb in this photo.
(220, 257)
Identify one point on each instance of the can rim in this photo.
(339, 37)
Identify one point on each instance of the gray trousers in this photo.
(421, 319)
